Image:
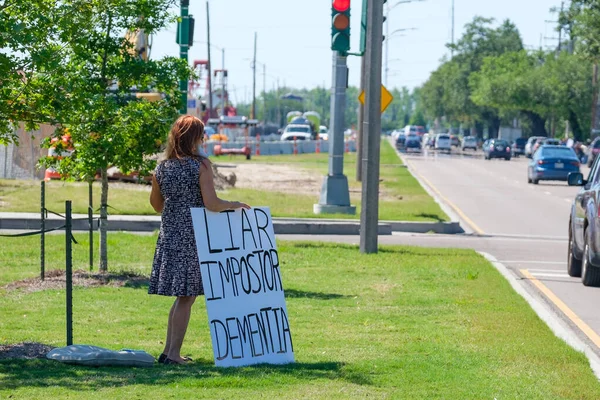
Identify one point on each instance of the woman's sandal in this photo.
(162, 359)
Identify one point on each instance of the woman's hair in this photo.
(185, 135)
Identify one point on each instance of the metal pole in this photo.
(209, 66)
(453, 19)
(42, 229)
(335, 195)
(223, 82)
(387, 42)
(372, 125)
(254, 80)
(69, 272)
(91, 224)
(360, 138)
(265, 97)
(184, 44)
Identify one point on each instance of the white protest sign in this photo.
(242, 285)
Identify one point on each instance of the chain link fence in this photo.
(20, 161)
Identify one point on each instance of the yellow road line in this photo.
(589, 332)
(457, 210)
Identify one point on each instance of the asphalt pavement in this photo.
(521, 225)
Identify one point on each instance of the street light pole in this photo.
(223, 97)
(369, 217)
(254, 81)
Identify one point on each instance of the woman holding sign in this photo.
(182, 181)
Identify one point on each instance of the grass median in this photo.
(406, 200)
(406, 323)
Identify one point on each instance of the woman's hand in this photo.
(236, 204)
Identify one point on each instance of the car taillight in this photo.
(508, 149)
(492, 147)
(574, 163)
(542, 162)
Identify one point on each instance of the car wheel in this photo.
(507, 158)
(528, 179)
(590, 275)
(535, 181)
(573, 264)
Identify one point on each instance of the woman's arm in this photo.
(209, 195)
(156, 198)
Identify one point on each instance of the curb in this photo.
(282, 226)
(559, 327)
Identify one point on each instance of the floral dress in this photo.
(176, 269)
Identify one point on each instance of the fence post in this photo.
(258, 145)
(42, 229)
(91, 223)
(69, 272)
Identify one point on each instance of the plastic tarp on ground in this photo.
(97, 356)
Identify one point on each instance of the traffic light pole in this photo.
(369, 217)
(184, 44)
(335, 195)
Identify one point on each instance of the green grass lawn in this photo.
(406, 200)
(407, 323)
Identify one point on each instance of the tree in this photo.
(447, 92)
(93, 99)
(539, 85)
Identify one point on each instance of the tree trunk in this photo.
(479, 129)
(494, 127)
(538, 124)
(104, 222)
(575, 127)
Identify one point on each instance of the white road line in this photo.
(548, 193)
(534, 262)
(537, 270)
(551, 275)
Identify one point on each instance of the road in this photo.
(523, 226)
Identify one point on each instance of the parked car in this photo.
(442, 142)
(297, 132)
(518, 147)
(529, 146)
(552, 163)
(412, 143)
(469, 142)
(454, 141)
(323, 133)
(400, 141)
(496, 148)
(583, 259)
(593, 151)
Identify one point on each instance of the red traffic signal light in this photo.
(341, 5)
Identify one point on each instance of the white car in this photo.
(469, 142)
(297, 132)
(443, 142)
(323, 133)
(530, 143)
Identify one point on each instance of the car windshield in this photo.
(500, 143)
(444, 137)
(521, 141)
(303, 129)
(557, 152)
(469, 139)
(597, 144)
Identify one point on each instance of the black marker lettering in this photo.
(210, 249)
(232, 337)
(276, 270)
(214, 323)
(246, 229)
(256, 290)
(243, 263)
(212, 292)
(262, 227)
(227, 212)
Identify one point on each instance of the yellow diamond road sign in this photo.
(386, 98)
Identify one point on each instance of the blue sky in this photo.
(294, 38)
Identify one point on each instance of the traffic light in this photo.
(340, 26)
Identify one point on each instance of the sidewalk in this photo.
(282, 226)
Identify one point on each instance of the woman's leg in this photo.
(170, 328)
(179, 323)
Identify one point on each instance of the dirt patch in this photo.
(26, 350)
(56, 279)
(275, 178)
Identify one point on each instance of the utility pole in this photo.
(223, 96)
(452, 49)
(209, 66)
(254, 80)
(387, 41)
(265, 95)
(184, 44)
(560, 28)
(369, 217)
